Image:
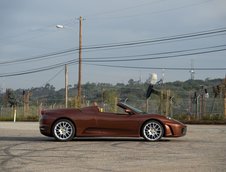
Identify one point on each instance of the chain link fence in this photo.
(199, 108)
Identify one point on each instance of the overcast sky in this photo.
(28, 31)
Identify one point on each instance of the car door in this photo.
(115, 124)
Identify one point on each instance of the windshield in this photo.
(134, 109)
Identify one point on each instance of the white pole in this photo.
(14, 114)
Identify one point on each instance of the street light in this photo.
(59, 26)
(80, 62)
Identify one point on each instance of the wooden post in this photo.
(225, 107)
(80, 64)
(115, 104)
(66, 86)
(197, 108)
(167, 102)
(147, 108)
(224, 97)
(161, 102)
(26, 99)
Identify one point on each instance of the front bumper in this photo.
(175, 130)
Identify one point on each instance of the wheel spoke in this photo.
(63, 130)
(152, 131)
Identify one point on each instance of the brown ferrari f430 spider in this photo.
(65, 124)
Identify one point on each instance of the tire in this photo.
(152, 131)
(63, 130)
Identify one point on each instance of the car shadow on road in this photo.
(82, 139)
(22, 138)
(111, 139)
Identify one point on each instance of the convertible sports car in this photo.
(65, 124)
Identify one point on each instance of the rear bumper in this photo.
(45, 126)
(45, 130)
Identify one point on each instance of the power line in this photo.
(54, 76)
(95, 16)
(143, 67)
(151, 43)
(161, 39)
(121, 9)
(44, 56)
(37, 69)
(108, 60)
(207, 33)
(113, 60)
(137, 59)
(159, 57)
(153, 54)
(119, 60)
(44, 29)
(103, 14)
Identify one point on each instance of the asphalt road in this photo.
(24, 149)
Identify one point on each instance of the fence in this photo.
(201, 108)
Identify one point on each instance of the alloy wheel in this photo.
(152, 131)
(64, 130)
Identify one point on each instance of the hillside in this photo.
(133, 90)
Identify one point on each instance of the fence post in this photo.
(161, 103)
(115, 104)
(167, 104)
(197, 108)
(147, 108)
(224, 107)
(224, 93)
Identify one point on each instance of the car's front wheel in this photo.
(152, 130)
(63, 130)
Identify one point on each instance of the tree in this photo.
(11, 98)
(110, 99)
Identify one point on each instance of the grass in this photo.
(205, 119)
(26, 118)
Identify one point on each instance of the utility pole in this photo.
(26, 99)
(224, 90)
(66, 85)
(78, 99)
(80, 64)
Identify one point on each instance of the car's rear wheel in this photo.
(152, 130)
(63, 130)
